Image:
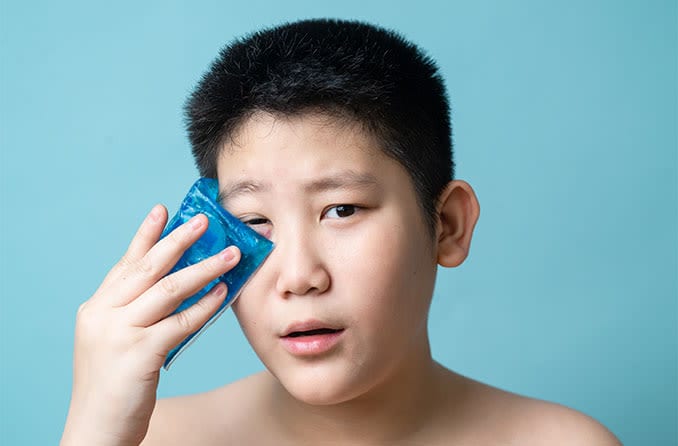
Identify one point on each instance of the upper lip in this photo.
(311, 324)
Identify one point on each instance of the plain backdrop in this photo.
(564, 119)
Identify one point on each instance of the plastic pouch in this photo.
(224, 230)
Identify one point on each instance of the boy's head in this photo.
(330, 138)
(351, 71)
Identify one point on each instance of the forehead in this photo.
(303, 146)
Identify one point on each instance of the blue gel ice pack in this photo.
(224, 230)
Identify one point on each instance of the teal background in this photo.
(564, 122)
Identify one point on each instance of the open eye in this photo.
(341, 211)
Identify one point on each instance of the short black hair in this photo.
(346, 69)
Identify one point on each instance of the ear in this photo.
(457, 212)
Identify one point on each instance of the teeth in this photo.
(297, 334)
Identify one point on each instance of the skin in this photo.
(122, 333)
(351, 250)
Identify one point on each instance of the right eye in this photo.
(256, 221)
(259, 224)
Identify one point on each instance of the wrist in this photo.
(85, 433)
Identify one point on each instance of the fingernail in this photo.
(154, 215)
(227, 254)
(217, 292)
(218, 289)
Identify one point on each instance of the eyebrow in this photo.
(343, 180)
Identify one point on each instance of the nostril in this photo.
(301, 271)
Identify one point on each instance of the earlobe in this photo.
(458, 212)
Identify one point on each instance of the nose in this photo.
(301, 269)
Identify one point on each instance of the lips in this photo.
(310, 328)
(311, 338)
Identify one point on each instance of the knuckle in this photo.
(84, 313)
(127, 264)
(87, 319)
(124, 262)
(212, 266)
(177, 237)
(184, 322)
(168, 286)
(144, 265)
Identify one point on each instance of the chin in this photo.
(319, 396)
(318, 386)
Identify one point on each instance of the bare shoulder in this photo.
(501, 417)
(555, 424)
(214, 417)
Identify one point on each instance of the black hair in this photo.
(346, 69)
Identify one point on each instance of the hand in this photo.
(123, 334)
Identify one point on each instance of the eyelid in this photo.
(261, 225)
(248, 219)
(356, 208)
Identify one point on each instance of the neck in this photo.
(389, 412)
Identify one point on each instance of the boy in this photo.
(331, 138)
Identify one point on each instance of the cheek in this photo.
(249, 309)
(391, 275)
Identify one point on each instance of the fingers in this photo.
(168, 333)
(134, 279)
(146, 236)
(166, 295)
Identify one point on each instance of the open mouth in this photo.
(311, 339)
(318, 331)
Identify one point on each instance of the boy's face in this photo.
(352, 254)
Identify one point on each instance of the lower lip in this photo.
(311, 345)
